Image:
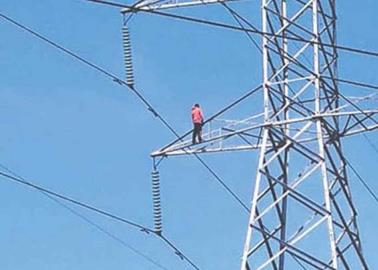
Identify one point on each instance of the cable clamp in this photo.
(178, 253)
(118, 81)
(153, 111)
(145, 231)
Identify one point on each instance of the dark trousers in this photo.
(197, 132)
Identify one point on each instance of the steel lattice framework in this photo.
(302, 213)
(296, 88)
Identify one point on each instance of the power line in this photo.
(98, 211)
(354, 83)
(112, 236)
(76, 202)
(233, 27)
(363, 182)
(372, 193)
(224, 185)
(93, 224)
(138, 94)
(92, 65)
(371, 143)
(239, 19)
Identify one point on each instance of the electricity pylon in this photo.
(302, 214)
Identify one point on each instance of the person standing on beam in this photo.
(197, 119)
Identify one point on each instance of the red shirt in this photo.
(197, 116)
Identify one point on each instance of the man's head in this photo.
(196, 105)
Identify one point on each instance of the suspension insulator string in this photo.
(127, 56)
(156, 199)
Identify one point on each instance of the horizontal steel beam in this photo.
(156, 5)
(185, 147)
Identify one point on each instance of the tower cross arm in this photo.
(169, 4)
(226, 139)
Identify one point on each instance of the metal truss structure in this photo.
(302, 214)
(168, 4)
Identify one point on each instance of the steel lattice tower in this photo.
(302, 214)
(295, 89)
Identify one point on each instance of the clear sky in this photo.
(71, 129)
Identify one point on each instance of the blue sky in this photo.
(71, 129)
